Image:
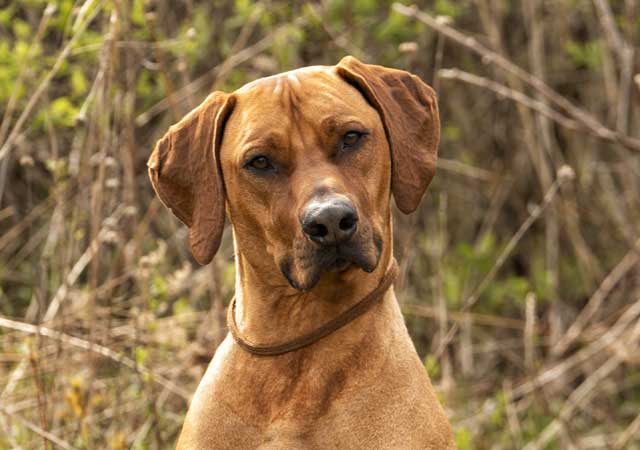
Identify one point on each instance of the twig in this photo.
(76, 271)
(614, 39)
(8, 432)
(61, 294)
(454, 166)
(489, 56)
(33, 101)
(564, 173)
(36, 429)
(612, 279)
(8, 112)
(41, 395)
(455, 316)
(529, 330)
(595, 348)
(201, 82)
(625, 437)
(240, 42)
(10, 236)
(582, 394)
(515, 428)
(132, 44)
(341, 41)
(95, 348)
(499, 195)
(504, 91)
(625, 53)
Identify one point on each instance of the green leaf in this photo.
(586, 55)
(79, 83)
(137, 13)
(448, 8)
(6, 15)
(463, 439)
(432, 366)
(62, 112)
(452, 286)
(159, 287)
(182, 306)
(141, 355)
(21, 29)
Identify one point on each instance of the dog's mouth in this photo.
(339, 265)
(340, 258)
(305, 266)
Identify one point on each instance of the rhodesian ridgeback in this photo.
(303, 164)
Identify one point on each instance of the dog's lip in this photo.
(340, 264)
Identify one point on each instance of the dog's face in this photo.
(306, 169)
(304, 164)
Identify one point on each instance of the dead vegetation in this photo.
(520, 272)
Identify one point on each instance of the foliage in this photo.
(80, 227)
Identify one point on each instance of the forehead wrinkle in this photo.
(337, 102)
(271, 139)
(333, 122)
(290, 101)
(260, 115)
(300, 107)
(308, 144)
(293, 79)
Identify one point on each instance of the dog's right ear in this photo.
(186, 174)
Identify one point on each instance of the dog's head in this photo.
(304, 164)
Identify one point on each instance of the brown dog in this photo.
(303, 164)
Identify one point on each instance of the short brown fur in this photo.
(363, 386)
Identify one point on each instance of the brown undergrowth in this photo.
(520, 273)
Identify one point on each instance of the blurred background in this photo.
(520, 271)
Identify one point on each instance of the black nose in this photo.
(330, 221)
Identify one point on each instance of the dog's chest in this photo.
(277, 394)
(248, 403)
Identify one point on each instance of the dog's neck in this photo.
(270, 311)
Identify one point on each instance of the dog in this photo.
(303, 164)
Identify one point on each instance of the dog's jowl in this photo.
(303, 165)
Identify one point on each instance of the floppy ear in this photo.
(409, 111)
(185, 173)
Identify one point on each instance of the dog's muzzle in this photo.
(333, 239)
(330, 222)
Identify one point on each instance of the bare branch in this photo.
(95, 348)
(564, 173)
(33, 101)
(613, 37)
(506, 92)
(611, 280)
(562, 367)
(584, 393)
(488, 56)
(36, 429)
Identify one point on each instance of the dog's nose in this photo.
(330, 221)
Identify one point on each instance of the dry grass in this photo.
(520, 272)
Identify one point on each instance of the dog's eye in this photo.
(260, 163)
(351, 139)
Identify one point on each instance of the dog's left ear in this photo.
(185, 173)
(409, 111)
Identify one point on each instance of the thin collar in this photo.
(329, 327)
